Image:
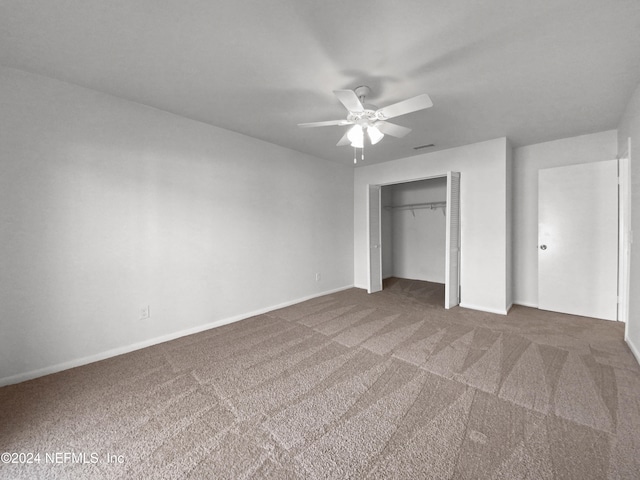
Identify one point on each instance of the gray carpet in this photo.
(349, 385)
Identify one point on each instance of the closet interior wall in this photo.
(414, 230)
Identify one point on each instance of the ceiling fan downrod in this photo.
(361, 92)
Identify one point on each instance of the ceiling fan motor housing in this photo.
(370, 114)
(366, 117)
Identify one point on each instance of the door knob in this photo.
(543, 247)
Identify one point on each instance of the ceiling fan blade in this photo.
(344, 140)
(406, 106)
(392, 129)
(325, 124)
(350, 100)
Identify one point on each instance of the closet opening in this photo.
(416, 237)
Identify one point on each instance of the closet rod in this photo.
(414, 206)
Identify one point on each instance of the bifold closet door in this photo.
(578, 239)
(452, 255)
(375, 240)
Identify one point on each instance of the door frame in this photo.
(624, 232)
(610, 309)
(381, 245)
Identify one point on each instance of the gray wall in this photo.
(527, 161)
(484, 221)
(107, 206)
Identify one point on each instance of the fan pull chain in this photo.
(355, 155)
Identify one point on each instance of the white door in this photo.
(375, 240)
(578, 239)
(452, 255)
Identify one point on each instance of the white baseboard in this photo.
(78, 362)
(634, 349)
(484, 309)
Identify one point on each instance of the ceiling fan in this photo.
(370, 119)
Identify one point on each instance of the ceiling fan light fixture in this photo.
(356, 136)
(364, 116)
(375, 135)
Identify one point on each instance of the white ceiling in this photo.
(529, 70)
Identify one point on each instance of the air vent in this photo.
(424, 146)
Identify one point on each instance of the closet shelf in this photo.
(416, 206)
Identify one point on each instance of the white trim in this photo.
(21, 377)
(624, 233)
(635, 350)
(484, 309)
(412, 179)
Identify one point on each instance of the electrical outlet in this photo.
(317, 277)
(145, 312)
